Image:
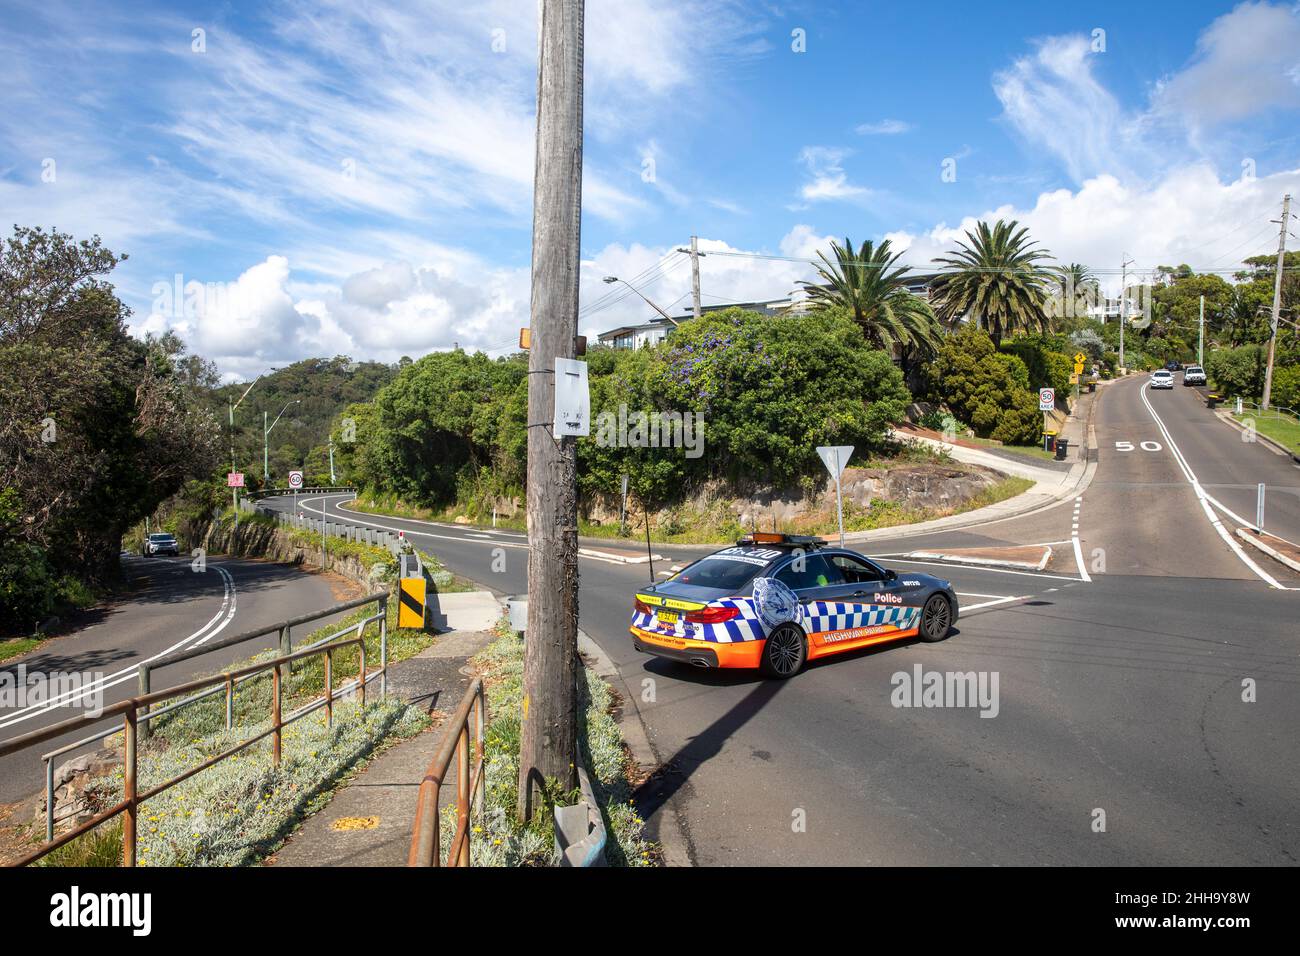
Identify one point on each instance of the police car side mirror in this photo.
(891, 575)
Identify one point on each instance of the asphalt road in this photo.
(173, 607)
(1121, 735)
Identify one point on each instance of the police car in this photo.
(776, 601)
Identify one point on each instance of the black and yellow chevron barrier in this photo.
(410, 607)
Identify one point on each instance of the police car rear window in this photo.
(727, 573)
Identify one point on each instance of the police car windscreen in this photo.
(722, 573)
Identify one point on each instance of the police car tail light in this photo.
(643, 608)
(712, 615)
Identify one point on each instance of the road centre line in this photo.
(1204, 499)
(203, 634)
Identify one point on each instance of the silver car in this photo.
(1162, 378)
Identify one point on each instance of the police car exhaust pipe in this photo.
(700, 662)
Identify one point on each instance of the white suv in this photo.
(1162, 378)
(1194, 375)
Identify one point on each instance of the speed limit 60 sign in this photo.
(295, 479)
(1046, 399)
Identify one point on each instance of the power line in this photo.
(928, 268)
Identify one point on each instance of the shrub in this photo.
(986, 389)
(1239, 371)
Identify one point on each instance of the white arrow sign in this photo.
(835, 457)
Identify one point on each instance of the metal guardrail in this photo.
(1273, 411)
(426, 847)
(130, 711)
(285, 631)
(312, 490)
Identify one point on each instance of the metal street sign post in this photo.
(1046, 402)
(1259, 509)
(836, 459)
(235, 481)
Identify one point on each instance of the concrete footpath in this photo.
(369, 819)
(1053, 483)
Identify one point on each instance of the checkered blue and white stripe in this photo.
(822, 616)
(818, 617)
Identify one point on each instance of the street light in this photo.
(610, 279)
(234, 492)
(266, 434)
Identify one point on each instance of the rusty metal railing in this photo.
(285, 630)
(426, 846)
(132, 709)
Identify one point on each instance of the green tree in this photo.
(772, 391)
(99, 427)
(995, 281)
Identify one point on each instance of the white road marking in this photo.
(1078, 548)
(976, 607)
(983, 570)
(218, 623)
(1205, 499)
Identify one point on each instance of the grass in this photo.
(1031, 451)
(889, 514)
(499, 839)
(240, 810)
(396, 508)
(1284, 430)
(18, 646)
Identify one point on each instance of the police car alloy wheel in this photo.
(936, 618)
(785, 651)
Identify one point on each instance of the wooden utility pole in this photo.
(694, 253)
(1123, 306)
(695, 274)
(1277, 302)
(549, 718)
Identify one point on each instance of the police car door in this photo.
(880, 598)
(814, 580)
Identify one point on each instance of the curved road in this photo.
(172, 607)
(1121, 734)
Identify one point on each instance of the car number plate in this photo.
(667, 617)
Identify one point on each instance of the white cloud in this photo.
(1188, 216)
(885, 127)
(1054, 101)
(827, 178)
(1246, 62)
(1246, 67)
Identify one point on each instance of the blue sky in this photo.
(356, 178)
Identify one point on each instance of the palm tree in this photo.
(1077, 289)
(996, 281)
(872, 287)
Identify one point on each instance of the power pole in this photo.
(694, 253)
(548, 750)
(1200, 339)
(1277, 301)
(1123, 307)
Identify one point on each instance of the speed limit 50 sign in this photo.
(1046, 399)
(295, 479)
